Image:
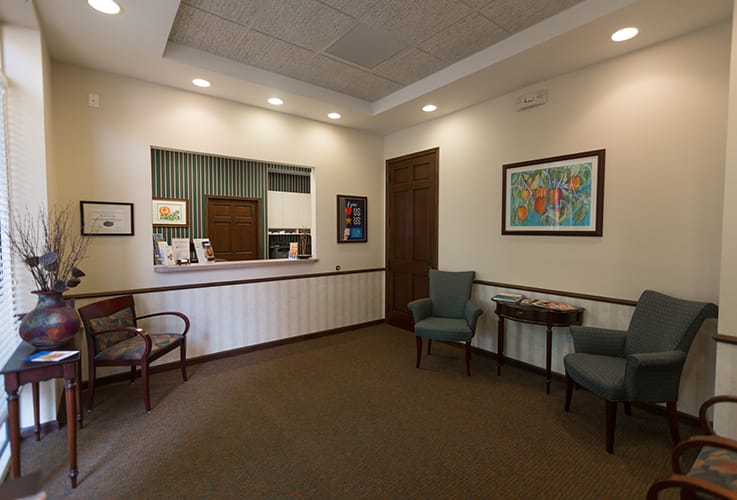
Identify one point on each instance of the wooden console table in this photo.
(536, 316)
(17, 372)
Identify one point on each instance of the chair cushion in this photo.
(443, 329)
(602, 375)
(122, 318)
(716, 465)
(134, 348)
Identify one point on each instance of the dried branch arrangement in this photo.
(49, 247)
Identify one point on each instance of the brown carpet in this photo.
(349, 416)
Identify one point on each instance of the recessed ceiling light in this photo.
(275, 101)
(200, 82)
(105, 6)
(335, 116)
(625, 34)
(429, 108)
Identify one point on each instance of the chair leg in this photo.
(468, 358)
(418, 340)
(429, 343)
(144, 380)
(133, 374)
(628, 409)
(569, 392)
(611, 420)
(183, 359)
(90, 385)
(673, 421)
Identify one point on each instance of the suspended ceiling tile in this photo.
(366, 46)
(516, 15)
(410, 66)
(342, 77)
(355, 8)
(306, 23)
(477, 4)
(239, 11)
(464, 38)
(271, 54)
(415, 20)
(204, 31)
(370, 87)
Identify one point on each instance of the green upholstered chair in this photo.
(115, 339)
(714, 472)
(448, 314)
(642, 364)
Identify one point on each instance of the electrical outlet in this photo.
(93, 100)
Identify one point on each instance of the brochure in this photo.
(51, 355)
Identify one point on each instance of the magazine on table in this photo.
(548, 304)
(512, 298)
(51, 355)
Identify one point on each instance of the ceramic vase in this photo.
(52, 323)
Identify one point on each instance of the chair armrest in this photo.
(421, 308)
(181, 316)
(690, 484)
(472, 313)
(138, 331)
(653, 376)
(602, 341)
(703, 420)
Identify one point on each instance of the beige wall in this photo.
(660, 114)
(103, 154)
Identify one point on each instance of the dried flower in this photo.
(49, 247)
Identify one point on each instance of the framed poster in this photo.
(106, 218)
(558, 196)
(352, 226)
(170, 212)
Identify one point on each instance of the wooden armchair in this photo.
(713, 473)
(114, 339)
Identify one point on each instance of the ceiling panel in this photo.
(410, 66)
(463, 38)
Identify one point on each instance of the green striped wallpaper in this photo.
(192, 176)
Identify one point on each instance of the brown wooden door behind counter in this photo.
(234, 227)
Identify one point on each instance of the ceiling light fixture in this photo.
(429, 108)
(105, 6)
(275, 101)
(624, 34)
(335, 116)
(201, 82)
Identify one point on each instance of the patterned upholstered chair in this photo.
(114, 339)
(642, 364)
(713, 473)
(448, 314)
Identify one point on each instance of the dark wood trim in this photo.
(726, 339)
(120, 377)
(139, 291)
(575, 295)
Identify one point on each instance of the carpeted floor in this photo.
(349, 416)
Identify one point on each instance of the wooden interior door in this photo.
(234, 227)
(411, 231)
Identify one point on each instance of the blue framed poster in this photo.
(352, 219)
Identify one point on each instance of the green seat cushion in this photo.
(602, 375)
(443, 329)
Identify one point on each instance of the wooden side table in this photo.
(536, 316)
(17, 372)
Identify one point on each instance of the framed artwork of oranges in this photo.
(557, 196)
(352, 213)
(170, 212)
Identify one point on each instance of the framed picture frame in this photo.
(557, 196)
(352, 219)
(106, 218)
(170, 212)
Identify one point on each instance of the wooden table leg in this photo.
(71, 400)
(548, 349)
(14, 431)
(80, 418)
(36, 414)
(500, 346)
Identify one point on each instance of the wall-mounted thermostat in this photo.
(535, 98)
